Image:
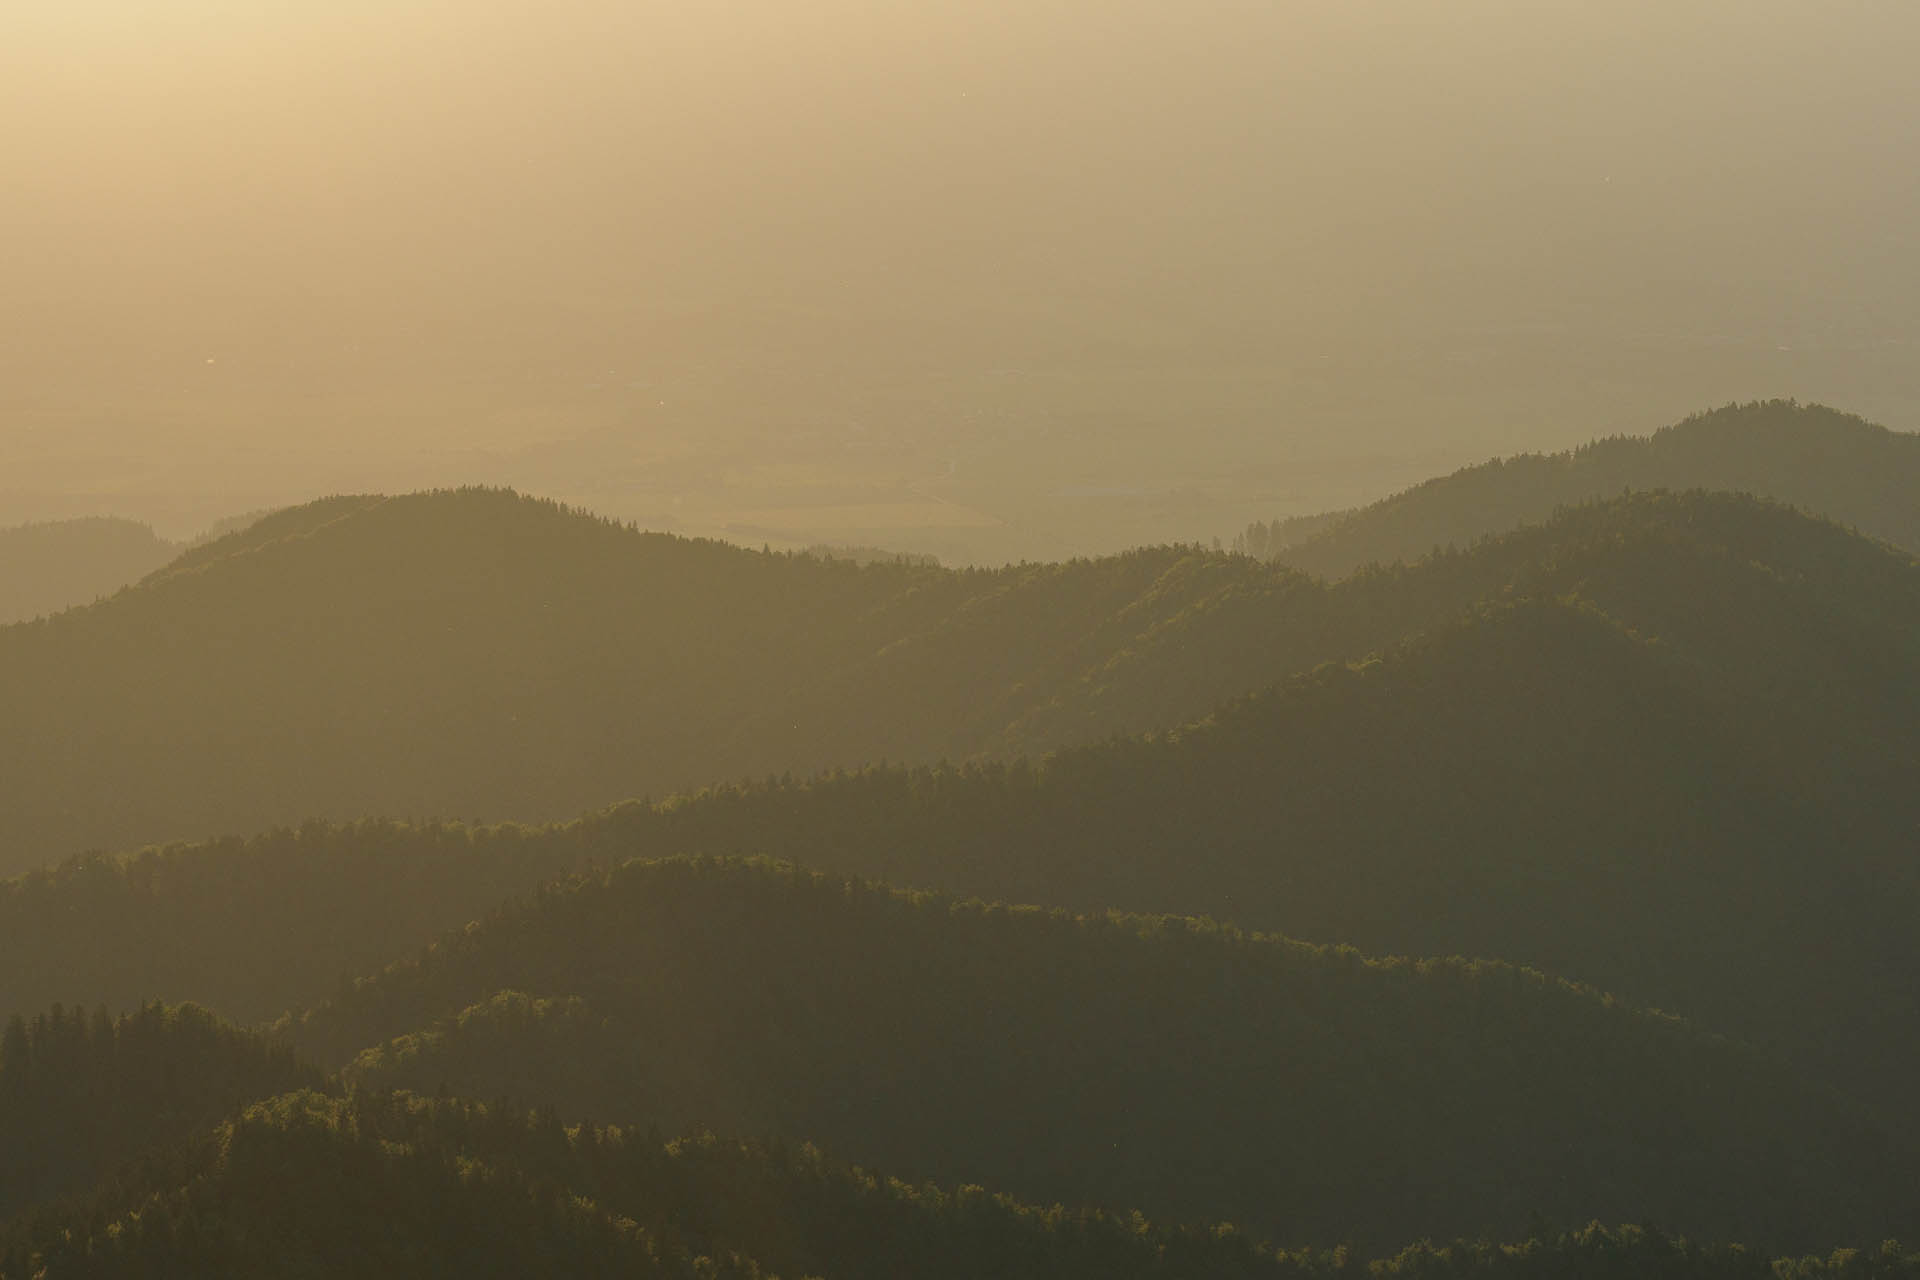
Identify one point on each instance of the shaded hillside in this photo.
(1772, 604)
(479, 655)
(1536, 785)
(80, 1095)
(256, 928)
(1710, 812)
(1163, 1063)
(45, 568)
(464, 654)
(399, 1185)
(407, 1186)
(1819, 459)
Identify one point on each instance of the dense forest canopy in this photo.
(400, 1184)
(1167, 1064)
(83, 1094)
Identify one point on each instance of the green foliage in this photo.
(80, 1095)
(1170, 1064)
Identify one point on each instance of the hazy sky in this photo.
(377, 227)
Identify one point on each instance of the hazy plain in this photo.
(985, 279)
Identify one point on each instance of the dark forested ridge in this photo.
(1537, 785)
(56, 565)
(480, 655)
(263, 926)
(1167, 1064)
(1663, 745)
(1676, 762)
(401, 1185)
(396, 1184)
(1819, 459)
(81, 1094)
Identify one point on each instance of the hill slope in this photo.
(396, 1184)
(1537, 785)
(1123, 1061)
(259, 927)
(1676, 764)
(1819, 459)
(45, 568)
(400, 1185)
(457, 654)
(81, 1096)
(480, 655)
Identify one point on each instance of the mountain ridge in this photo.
(1819, 459)
(479, 655)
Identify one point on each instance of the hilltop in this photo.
(1671, 758)
(479, 655)
(1809, 456)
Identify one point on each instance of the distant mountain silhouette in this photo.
(45, 568)
(1819, 459)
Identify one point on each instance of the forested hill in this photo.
(1819, 459)
(481, 655)
(81, 1095)
(1167, 1064)
(1676, 763)
(47, 567)
(1537, 785)
(396, 1184)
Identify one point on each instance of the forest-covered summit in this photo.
(1819, 459)
(481, 655)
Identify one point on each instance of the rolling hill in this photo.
(81, 1096)
(483, 656)
(394, 1184)
(1538, 784)
(1809, 456)
(59, 564)
(399, 1184)
(1671, 758)
(1168, 1064)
